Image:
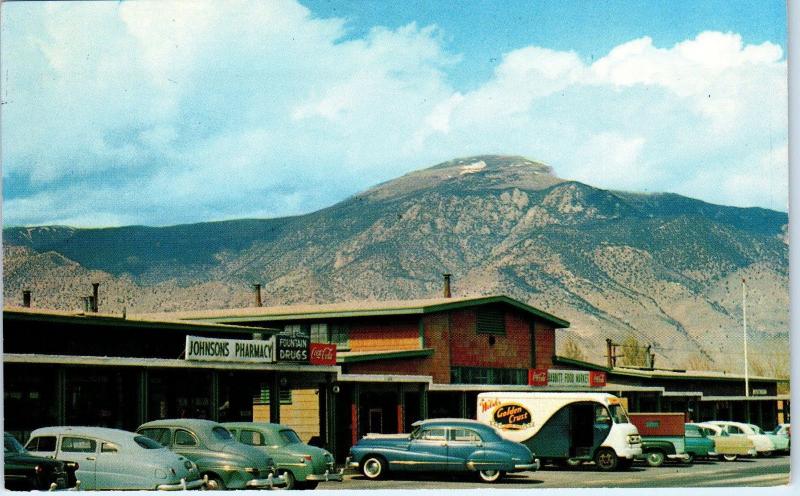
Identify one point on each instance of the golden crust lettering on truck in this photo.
(511, 416)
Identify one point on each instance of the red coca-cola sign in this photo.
(597, 378)
(537, 377)
(322, 354)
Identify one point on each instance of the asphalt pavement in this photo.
(753, 472)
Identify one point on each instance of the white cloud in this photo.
(187, 106)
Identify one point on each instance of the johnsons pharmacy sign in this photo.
(230, 350)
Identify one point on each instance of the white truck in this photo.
(565, 428)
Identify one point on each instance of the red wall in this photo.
(470, 349)
(384, 336)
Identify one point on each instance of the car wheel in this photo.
(606, 459)
(654, 458)
(374, 467)
(215, 483)
(490, 475)
(291, 483)
(730, 458)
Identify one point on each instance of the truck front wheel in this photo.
(606, 459)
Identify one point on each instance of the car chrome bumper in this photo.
(76, 487)
(349, 463)
(183, 485)
(268, 483)
(712, 453)
(684, 457)
(523, 467)
(327, 476)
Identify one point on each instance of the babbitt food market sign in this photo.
(230, 350)
(556, 377)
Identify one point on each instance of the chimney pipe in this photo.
(257, 293)
(447, 293)
(95, 299)
(26, 298)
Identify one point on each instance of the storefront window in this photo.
(485, 375)
(101, 397)
(31, 398)
(179, 394)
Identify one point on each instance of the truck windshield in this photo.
(618, 414)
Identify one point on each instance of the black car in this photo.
(25, 472)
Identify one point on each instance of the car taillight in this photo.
(39, 469)
(307, 458)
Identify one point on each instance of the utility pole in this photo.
(744, 319)
(611, 353)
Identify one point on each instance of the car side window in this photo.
(253, 438)
(184, 438)
(464, 436)
(693, 433)
(42, 443)
(108, 448)
(159, 435)
(732, 429)
(433, 435)
(78, 445)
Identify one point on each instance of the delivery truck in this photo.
(663, 437)
(565, 428)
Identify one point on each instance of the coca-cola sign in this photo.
(322, 354)
(512, 416)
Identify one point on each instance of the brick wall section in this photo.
(384, 336)
(403, 366)
(545, 346)
(437, 336)
(470, 349)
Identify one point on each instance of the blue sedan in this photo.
(442, 445)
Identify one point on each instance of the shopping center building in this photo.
(334, 371)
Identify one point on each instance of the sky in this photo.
(163, 113)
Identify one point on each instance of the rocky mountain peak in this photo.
(469, 174)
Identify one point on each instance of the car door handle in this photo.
(91, 458)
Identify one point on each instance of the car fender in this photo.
(489, 460)
(658, 445)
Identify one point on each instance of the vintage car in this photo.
(302, 466)
(785, 431)
(227, 463)
(781, 443)
(762, 443)
(698, 444)
(115, 459)
(728, 447)
(25, 472)
(442, 445)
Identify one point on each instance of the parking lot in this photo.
(771, 471)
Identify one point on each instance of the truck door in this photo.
(602, 424)
(582, 417)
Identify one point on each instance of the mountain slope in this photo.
(661, 268)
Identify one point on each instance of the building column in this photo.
(463, 404)
(275, 399)
(144, 377)
(61, 395)
(354, 408)
(214, 403)
(330, 418)
(401, 409)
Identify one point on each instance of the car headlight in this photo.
(634, 439)
(161, 474)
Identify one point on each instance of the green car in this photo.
(698, 445)
(302, 466)
(226, 463)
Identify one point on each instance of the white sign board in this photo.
(557, 377)
(230, 350)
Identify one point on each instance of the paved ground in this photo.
(748, 472)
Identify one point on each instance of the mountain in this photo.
(661, 268)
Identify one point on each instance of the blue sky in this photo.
(158, 113)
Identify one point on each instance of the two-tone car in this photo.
(780, 442)
(302, 465)
(25, 472)
(223, 461)
(728, 447)
(698, 443)
(762, 443)
(442, 445)
(113, 459)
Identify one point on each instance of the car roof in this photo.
(256, 425)
(102, 433)
(181, 422)
(452, 422)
